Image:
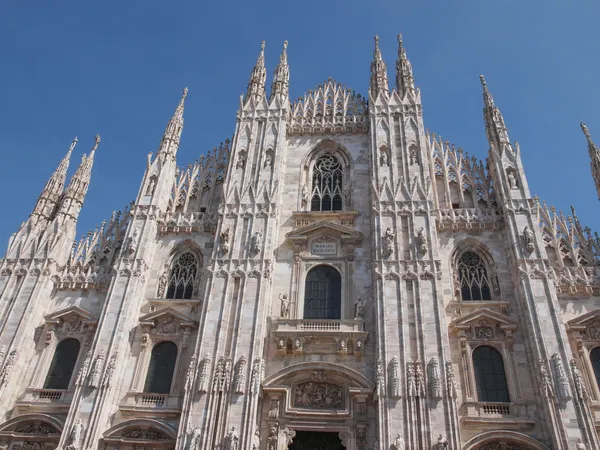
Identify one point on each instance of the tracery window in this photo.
(595, 360)
(327, 184)
(490, 376)
(473, 277)
(323, 294)
(182, 277)
(62, 365)
(161, 368)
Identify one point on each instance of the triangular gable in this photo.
(345, 234)
(153, 318)
(484, 315)
(582, 322)
(59, 316)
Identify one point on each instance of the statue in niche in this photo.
(442, 443)
(398, 443)
(348, 196)
(359, 309)
(422, 240)
(162, 284)
(225, 241)
(257, 241)
(241, 161)
(232, 439)
(256, 440)
(389, 239)
(268, 161)
(580, 445)
(76, 434)
(194, 439)
(133, 241)
(383, 159)
(285, 306)
(528, 238)
(512, 181)
(413, 157)
(305, 194)
(151, 186)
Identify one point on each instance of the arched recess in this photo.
(31, 431)
(472, 245)
(181, 277)
(141, 433)
(483, 440)
(307, 369)
(63, 364)
(163, 360)
(323, 293)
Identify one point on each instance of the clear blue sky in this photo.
(73, 68)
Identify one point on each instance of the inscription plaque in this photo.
(324, 248)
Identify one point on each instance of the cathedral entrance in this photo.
(316, 440)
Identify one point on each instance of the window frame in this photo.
(477, 385)
(174, 373)
(332, 269)
(73, 370)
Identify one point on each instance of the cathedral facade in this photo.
(333, 276)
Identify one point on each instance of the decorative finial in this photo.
(376, 40)
(185, 92)
(482, 78)
(285, 44)
(584, 128)
(73, 144)
(400, 39)
(97, 138)
(262, 46)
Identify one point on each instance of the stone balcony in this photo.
(297, 336)
(508, 415)
(468, 218)
(44, 399)
(163, 405)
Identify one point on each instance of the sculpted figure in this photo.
(389, 239)
(383, 160)
(225, 241)
(512, 181)
(268, 161)
(359, 309)
(528, 238)
(305, 194)
(162, 284)
(256, 440)
(257, 241)
(422, 240)
(241, 161)
(398, 443)
(285, 306)
(232, 440)
(76, 433)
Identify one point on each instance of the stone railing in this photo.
(468, 218)
(187, 222)
(49, 395)
(165, 404)
(296, 336)
(507, 414)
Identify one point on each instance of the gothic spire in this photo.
(379, 79)
(281, 78)
(496, 131)
(174, 129)
(258, 77)
(50, 195)
(594, 157)
(404, 75)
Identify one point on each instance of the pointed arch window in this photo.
(323, 293)
(161, 368)
(490, 376)
(62, 365)
(595, 360)
(473, 277)
(327, 184)
(184, 271)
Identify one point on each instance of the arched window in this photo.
(327, 184)
(489, 375)
(182, 276)
(323, 294)
(62, 365)
(161, 368)
(473, 277)
(595, 359)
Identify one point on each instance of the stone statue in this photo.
(241, 161)
(305, 194)
(348, 196)
(133, 241)
(257, 241)
(512, 181)
(194, 438)
(413, 157)
(528, 238)
(285, 306)
(383, 159)
(225, 241)
(268, 161)
(422, 241)
(76, 433)
(562, 383)
(580, 388)
(442, 443)
(359, 309)
(256, 440)
(110, 369)
(398, 443)
(232, 440)
(388, 243)
(580, 445)
(151, 186)
(547, 388)
(162, 284)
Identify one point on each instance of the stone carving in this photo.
(289, 435)
(272, 439)
(359, 309)
(76, 434)
(512, 181)
(167, 325)
(151, 186)
(483, 333)
(420, 379)
(528, 239)
(594, 333)
(133, 241)
(347, 195)
(376, 445)
(545, 381)
(189, 375)
(413, 156)
(83, 371)
(110, 369)
(225, 241)
(256, 440)
(383, 158)
(285, 306)
(380, 379)
(258, 369)
(203, 376)
(411, 384)
(240, 376)
(442, 443)
(195, 438)
(343, 437)
(580, 389)
(398, 442)
(297, 345)
(162, 283)
(435, 383)
(257, 241)
(580, 445)
(305, 194)
(450, 380)
(422, 241)
(318, 375)
(395, 389)
(7, 368)
(227, 373)
(388, 241)
(318, 395)
(232, 439)
(268, 161)
(241, 161)
(562, 383)
(96, 370)
(219, 375)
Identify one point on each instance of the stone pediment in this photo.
(74, 315)
(586, 326)
(484, 317)
(167, 321)
(334, 230)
